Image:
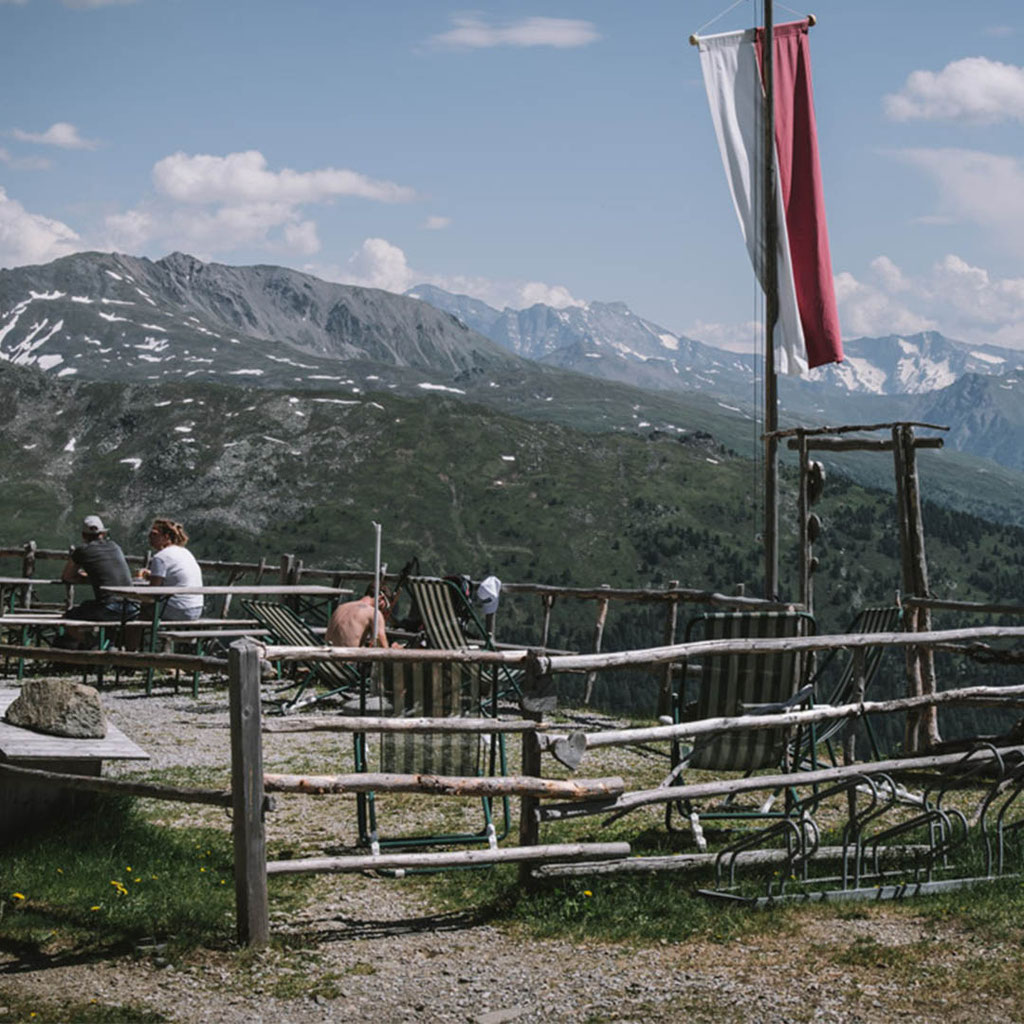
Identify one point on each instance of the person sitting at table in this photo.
(100, 562)
(351, 624)
(174, 565)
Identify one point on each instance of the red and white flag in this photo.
(807, 333)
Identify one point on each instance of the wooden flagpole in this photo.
(771, 316)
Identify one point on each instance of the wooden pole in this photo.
(665, 687)
(771, 316)
(548, 602)
(928, 727)
(250, 844)
(533, 709)
(445, 785)
(803, 513)
(458, 858)
(602, 615)
(911, 738)
(755, 783)
(850, 737)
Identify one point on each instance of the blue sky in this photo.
(561, 152)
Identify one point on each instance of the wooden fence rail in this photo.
(250, 798)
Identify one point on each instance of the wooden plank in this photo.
(26, 745)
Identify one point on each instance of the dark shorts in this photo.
(104, 611)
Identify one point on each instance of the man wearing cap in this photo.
(100, 562)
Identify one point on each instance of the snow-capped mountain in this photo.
(110, 316)
(606, 339)
(601, 339)
(914, 364)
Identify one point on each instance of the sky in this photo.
(560, 152)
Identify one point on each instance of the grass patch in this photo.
(633, 908)
(105, 879)
(16, 1008)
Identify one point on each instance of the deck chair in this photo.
(450, 622)
(835, 689)
(731, 685)
(287, 629)
(431, 690)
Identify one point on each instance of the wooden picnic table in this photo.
(10, 585)
(158, 596)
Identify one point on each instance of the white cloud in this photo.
(302, 237)
(24, 163)
(962, 301)
(212, 205)
(972, 89)
(471, 32)
(244, 177)
(890, 275)
(983, 189)
(550, 295)
(380, 264)
(129, 231)
(738, 337)
(871, 310)
(436, 223)
(30, 238)
(59, 134)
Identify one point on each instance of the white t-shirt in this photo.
(178, 568)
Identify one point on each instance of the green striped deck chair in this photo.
(731, 685)
(835, 689)
(451, 623)
(431, 690)
(288, 630)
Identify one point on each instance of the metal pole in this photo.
(771, 286)
(376, 584)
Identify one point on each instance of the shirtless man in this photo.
(351, 624)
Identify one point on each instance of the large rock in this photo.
(59, 707)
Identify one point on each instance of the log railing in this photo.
(250, 795)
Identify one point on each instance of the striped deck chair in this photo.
(731, 685)
(833, 689)
(425, 690)
(287, 629)
(451, 623)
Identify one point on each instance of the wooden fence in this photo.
(541, 799)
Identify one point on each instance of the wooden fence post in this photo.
(850, 731)
(548, 601)
(602, 615)
(538, 697)
(669, 638)
(247, 796)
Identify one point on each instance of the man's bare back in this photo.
(351, 624)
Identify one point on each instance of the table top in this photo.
(27, 745)
(21, 581)
(279, 589)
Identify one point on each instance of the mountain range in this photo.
(272, 412)
(101, 316)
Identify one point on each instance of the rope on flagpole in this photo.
(695, 38)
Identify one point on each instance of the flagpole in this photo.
(771, 285)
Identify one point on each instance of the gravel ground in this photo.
(389, 956)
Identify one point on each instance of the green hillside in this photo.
(463, 487)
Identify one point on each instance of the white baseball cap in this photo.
(487, 595)
(93, 524)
